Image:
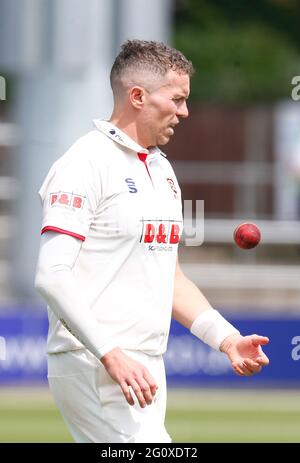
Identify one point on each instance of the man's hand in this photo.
(245, 353)
(127, 372)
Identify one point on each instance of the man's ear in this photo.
(137, 97)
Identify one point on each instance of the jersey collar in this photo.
(117, 135)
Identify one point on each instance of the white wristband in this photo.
(212, 328)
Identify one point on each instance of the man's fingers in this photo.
(259, 340)
(252, 366)
(143, 391)
(237, 368)
(246, 370)
(262, 360)
(242, 369)
(127, 394)
(146, 391)
(139, 393)
(133, 378)
(153, 389)
(152, 384)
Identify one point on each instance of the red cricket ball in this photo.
(247, 235)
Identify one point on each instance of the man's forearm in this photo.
(188, 301)
(192, 310)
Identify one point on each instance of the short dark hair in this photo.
(153, 57)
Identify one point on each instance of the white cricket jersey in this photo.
(123, 201)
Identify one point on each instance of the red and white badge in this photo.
(66, 199)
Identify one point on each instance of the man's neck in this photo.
(130, 127)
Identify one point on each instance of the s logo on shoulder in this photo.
(131, 185)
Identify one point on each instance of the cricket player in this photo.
(108, 266)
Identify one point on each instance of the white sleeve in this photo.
(56, 283)
(70, 195)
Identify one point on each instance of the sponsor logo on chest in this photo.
(157, 232)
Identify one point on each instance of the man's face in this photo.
(164, 107)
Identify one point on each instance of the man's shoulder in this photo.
(90, 142)
(90, 147)
(82, 158)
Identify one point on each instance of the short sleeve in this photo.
(70, 195)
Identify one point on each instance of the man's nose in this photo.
(183, 110)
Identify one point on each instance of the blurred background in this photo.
(239, 152)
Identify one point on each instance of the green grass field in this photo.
(194, 415)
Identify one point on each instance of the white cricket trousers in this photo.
(93, 405)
